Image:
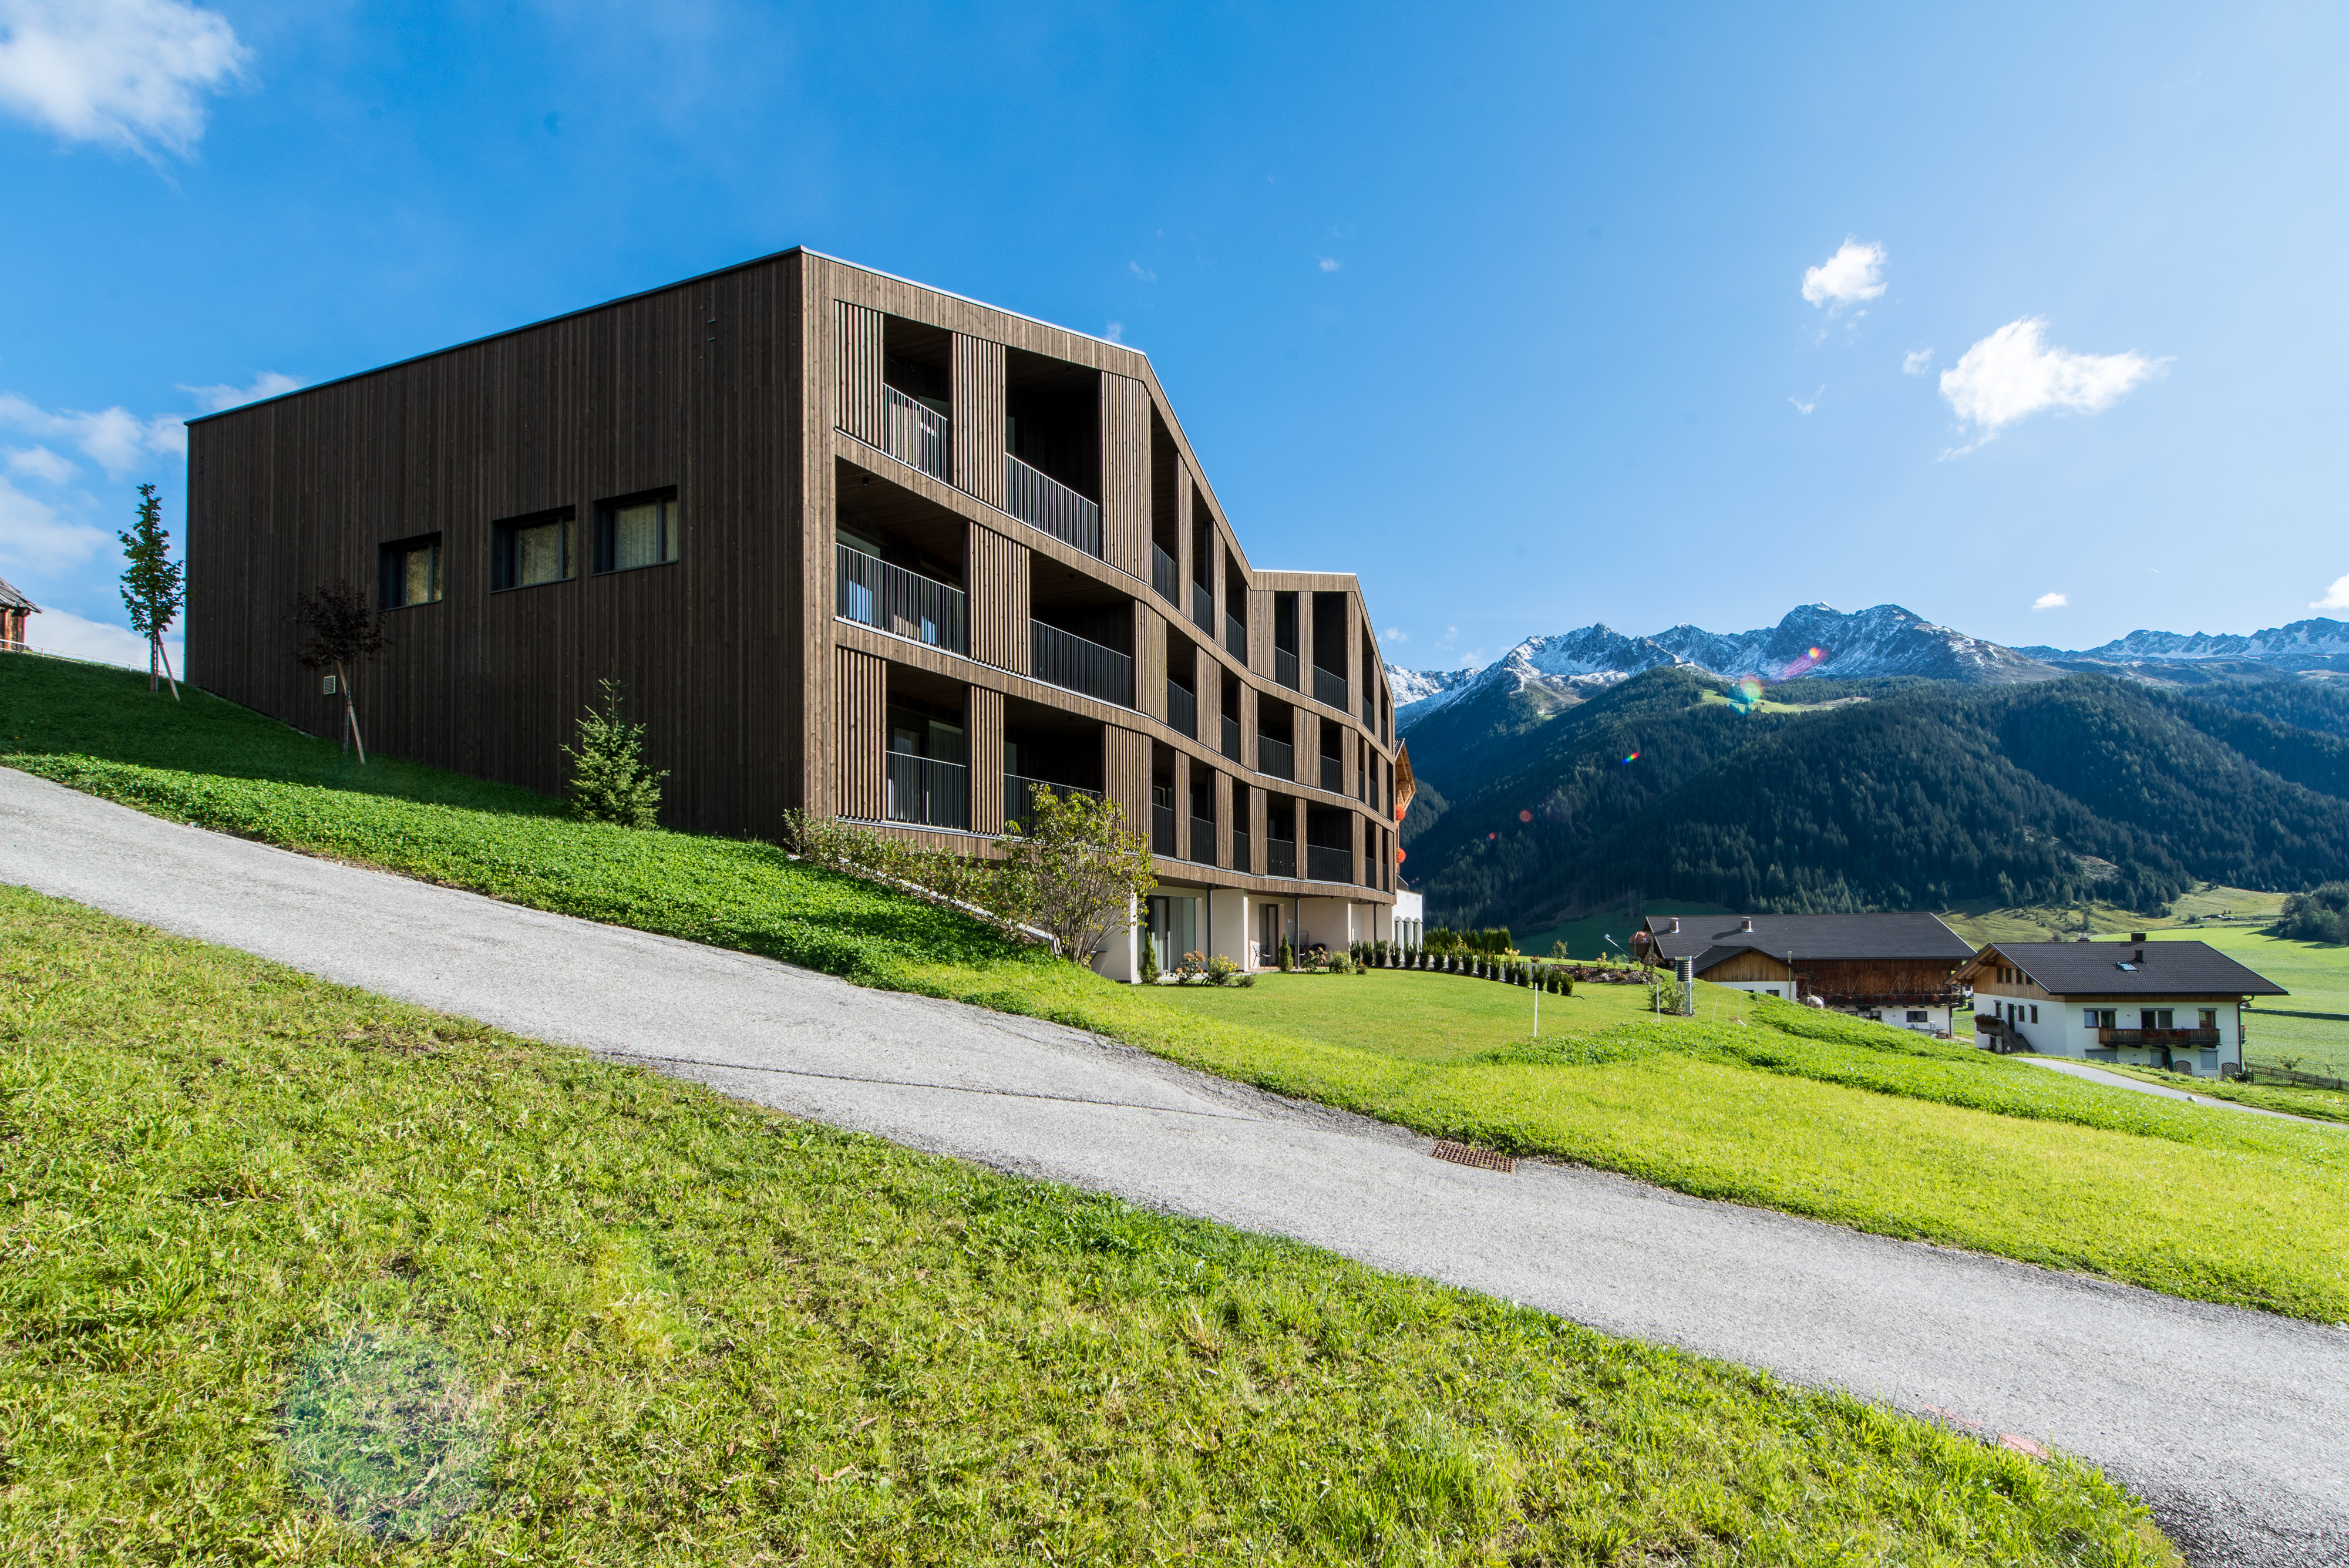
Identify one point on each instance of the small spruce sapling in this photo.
(609, 779)
(154, 586)
(340, 631)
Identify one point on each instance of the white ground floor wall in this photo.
(2067, 1026)
(1246, 928)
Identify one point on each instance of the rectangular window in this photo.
(2210, 1018)
(411, 572)
(2034, 1014)
(2156, 1017)
(2100, 1017)
(638, 531)
(528, 551)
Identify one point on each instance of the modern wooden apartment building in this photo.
(850, 544)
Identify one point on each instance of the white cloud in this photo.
(40, 464)
(60, 632)
(268, 384)
(1855, 271)
(1114, 331)
(2051, 601)
(1330, 263)
(2335, 598)
(1804, 408)
(1451, 635)
(33, 535)
(1916, 364)
(128, 74)
(1395, 634)
(2012, 374)
(1141, 272)
(115, 439)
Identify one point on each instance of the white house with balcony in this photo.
(2174, 1005)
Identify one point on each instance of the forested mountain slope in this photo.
(1924, 795)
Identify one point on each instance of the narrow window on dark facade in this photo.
(528, 551)
(639, 530)
(411, 572)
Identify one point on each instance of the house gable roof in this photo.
(11, 599)
(2097, 969)
(1908, 934)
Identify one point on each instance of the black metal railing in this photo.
(1041, 501)
(1162, 575)
(1161, 830)
(1020, 795)
(1280, 857)
(1284, 667)
(1236, 637)
(1240, 861)
(905, 604)
(1182, 709)
(1329, 688)
(1333, 775)
(1370, 714)
(1275, 758)
(1323, 863)
(1203, 608)
(1075, 664)
(1203, 840)
(927, 791)
(914, 432)
(1231, 737)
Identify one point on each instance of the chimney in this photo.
(2137, 936)
(2138, 956)
(1676, 925)
(1746, 924)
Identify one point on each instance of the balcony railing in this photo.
(925, 790)
(2203, 1039)
(1329, 688)
(1231, 737)
(1067, 660)
(1203, 608)
(1236, 637)
(1020, 795)
(1333, 775)
(1161, 830)
(1279, 857)
(875, 593)
(1284, 667)
(1323, 863)
(1275, 758)
(1203, 840)
(1162, 575)
(916, 433)
(1041, 501)
(1182, 709)
(1240, 861)
(1370, 714)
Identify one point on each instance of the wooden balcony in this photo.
(2141, 1039)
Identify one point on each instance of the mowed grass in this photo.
(298, 1274)
(1881, 1129)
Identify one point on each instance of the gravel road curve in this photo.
(2233, 1425)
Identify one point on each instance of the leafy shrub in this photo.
(2322, 916)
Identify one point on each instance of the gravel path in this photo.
(2234, 1425)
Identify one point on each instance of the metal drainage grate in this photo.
(1482, 1159)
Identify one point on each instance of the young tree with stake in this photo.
(340, 630)
(154, 584)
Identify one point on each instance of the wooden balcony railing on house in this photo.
(1203, 840)
(1279, 857)
(2139, 1039)
(872, 592)
(1323, 863)
(1182, 709)
(1064, 659)
(1330, 687)
(1275, 759)
(1041, 501)
(1162, 575)
(1020, 795)
(929, 792)
(1236, 637)
(916, 433)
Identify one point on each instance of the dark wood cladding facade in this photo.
(754, 398)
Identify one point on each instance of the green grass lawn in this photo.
(1857, 1124)
(297, 1274)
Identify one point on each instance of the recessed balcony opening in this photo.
(1202, 813)
(1234, 608)
(898, 561)
(1370, 665)
(1204, 552)
(1284, 640)
(1329, 649)
(1182, 684)
(1276, 739)
(1243, 851)
(1082, 635)
(1334, 755)
(1052, 439)
(1162, 763)
(929, 751)
(1279, 835)
(1329, 844)
(916, 394)
(1228, 709)
(1165, 536)
(1044, 747)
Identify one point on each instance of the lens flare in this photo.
(1525, 816)
(1810, 660)
(1631, 756)
(1746, 695)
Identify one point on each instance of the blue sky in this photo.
(1531, 316)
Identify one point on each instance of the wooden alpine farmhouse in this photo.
(1899, 968)
(2174, 1005)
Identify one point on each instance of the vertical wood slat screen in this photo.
(998, 600)
(1125, 774)
(985, 756)
(1126, 474)
(860, 699)
(978, 414)
(1223, 785)
(1149, 662)
(857, 368)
